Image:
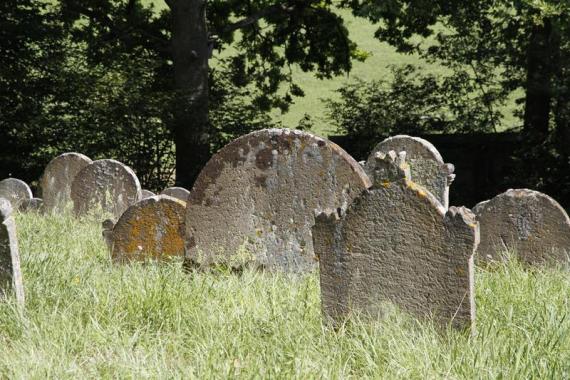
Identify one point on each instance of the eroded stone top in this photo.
(15, 191)
(177, 192)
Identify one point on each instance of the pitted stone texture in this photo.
(258, 193)
(15, 191)
(150, 229)
(10, 273)
(57, 179)
(177, 192)
(147, 194)
(34, 204)
(105, 186)
(526, 222)
(426, 164)
(396, 245)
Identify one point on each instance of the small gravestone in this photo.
(177, 192)
(527, 223)
(15, 191)
(10, 273)
(57, 179)
(147, 194)
(34, 204)
(427, 168)
(150, 229)
(256, 197)
(105, 187)
(396, 245)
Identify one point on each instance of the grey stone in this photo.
(427, 168)
(10, 273)
(150, 229)
(397, 246)
(527, 223)
(15, 191)
(57, 179)
(257, 195)
(105, 187)
(147, 194)
(34, 204)
(177, 192)
(107, 233)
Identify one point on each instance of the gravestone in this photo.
(57, 179)
(525, 222)
(10, 273)
(177, 192)
(427, 168)
(257, 195)
(15, 191)
(150, 229)
(34, 204)
(397, 245)
(147, 194)
(105, 186)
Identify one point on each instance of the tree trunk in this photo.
(540, 72)
(190, 56)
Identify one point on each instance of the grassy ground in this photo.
(86, 317)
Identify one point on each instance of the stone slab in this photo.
(10, 272)
(15, 191)
(177, 192)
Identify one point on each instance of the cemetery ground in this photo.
(88, 317)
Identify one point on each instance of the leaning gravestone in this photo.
(257, 195)
(427, 168)
(147, 194)
(177, 192)
(10, 273)
(150, 229)
(528, 223)
(396, 245)
(57, 179)
(15, 191)
(105, 186)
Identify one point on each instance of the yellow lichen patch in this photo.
(473, 225)
(386, 184)
(258, 232)
(421, 193)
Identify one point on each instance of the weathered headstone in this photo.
(177, 192)
(105, 186)
(147, 194)
(527, 223)
(396, 245)
(150, 229)
(57, 179)
(427, 168)
(10, 273)
(34, 204)
(15, 191)
(258, 193)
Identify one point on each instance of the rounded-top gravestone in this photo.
(177, 192)
(15, 191)
(524, 222)
(255, 198)
(57, 179)
(105, 187)
(147, 194)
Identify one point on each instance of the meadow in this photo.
(88, 318)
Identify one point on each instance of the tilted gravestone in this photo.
(10, 273)
(177, 192)
(257, 196)
(427, 168)
(15, 191)
(147, 194)
(57, 179)
(150, 229)
(105, 186)
(527, 223)
(396, 245)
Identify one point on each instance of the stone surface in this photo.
(57, 179)
(177, 192)
(427, 168)
(105, 187)
(525, 222)
(258, 193)
(10, 273)
(397, 245)
(147, 194)
(34, 204)
(15, 191)
(150, 229)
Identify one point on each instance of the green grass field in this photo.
(88, 318)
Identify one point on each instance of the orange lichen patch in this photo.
(386, 184)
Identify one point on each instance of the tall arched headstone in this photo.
(427, 168)
(177, 192)
(396, 245)
(258, 193)
(15, 191)
(57, 179)
(10, 273)
(525, 222)
(105, 186)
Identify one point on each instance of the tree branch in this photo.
(269, 11)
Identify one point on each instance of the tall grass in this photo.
(86, 317)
